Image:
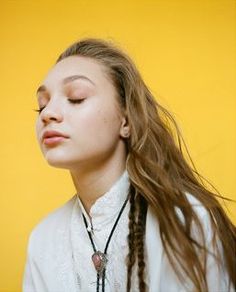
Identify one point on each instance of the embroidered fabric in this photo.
(103, 215)
(61, 236)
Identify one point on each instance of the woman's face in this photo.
(79, 101)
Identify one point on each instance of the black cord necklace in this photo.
(100, 258)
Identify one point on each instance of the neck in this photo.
(92, 185)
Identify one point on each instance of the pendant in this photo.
(99, 260)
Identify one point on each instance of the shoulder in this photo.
(45, 229)
(202, 213)
(55, 218)
(200, 210)
(196, 205)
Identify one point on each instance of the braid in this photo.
(140, 234)
(136, 237)
(131, 237)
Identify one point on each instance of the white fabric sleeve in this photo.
(217, 277)
(32, 279)
(28, 284)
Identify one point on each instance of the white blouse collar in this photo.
(107, 207)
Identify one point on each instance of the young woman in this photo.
(140, 220)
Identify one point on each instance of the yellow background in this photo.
(186, 52)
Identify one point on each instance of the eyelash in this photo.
(74, 101)
(39, 110)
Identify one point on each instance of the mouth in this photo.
(49, 141)
(53, 137)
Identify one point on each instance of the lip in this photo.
(53, 137)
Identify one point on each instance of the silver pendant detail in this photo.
(100, 261)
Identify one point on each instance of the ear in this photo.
(125, 128)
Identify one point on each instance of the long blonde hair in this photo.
(160, 175)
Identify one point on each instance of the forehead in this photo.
(76, 65)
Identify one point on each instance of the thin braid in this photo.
(131, 239)
(140, 235)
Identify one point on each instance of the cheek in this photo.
(99, 123)
(106, 120)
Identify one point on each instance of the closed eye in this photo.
(39, 110)
(76, 100)
(70, 100)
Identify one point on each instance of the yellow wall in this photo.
(186, 53)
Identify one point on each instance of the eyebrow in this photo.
(65, 81)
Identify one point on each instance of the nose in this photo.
(51, 113)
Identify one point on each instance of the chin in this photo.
(57, 161)
(58, 164)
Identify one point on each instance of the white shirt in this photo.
(59, 249)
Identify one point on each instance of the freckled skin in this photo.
(94, 126)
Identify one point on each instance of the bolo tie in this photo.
(99, 258)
